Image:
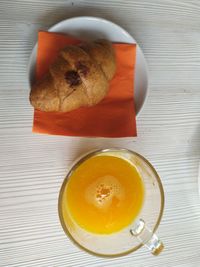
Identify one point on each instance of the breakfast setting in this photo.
(96, 171)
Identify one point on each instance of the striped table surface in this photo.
(32, 167)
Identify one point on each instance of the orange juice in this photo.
(104, 194)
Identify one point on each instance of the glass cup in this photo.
(141, 231)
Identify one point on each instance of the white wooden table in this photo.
(32, 167)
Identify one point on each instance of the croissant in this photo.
(79, 77)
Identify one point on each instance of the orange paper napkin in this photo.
(112, 117)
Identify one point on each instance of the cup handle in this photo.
(147, 237)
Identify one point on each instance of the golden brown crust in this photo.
(102, 52)
(79, 77)
(93, 79)
(44, 96)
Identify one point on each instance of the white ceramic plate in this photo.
(88, 28)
